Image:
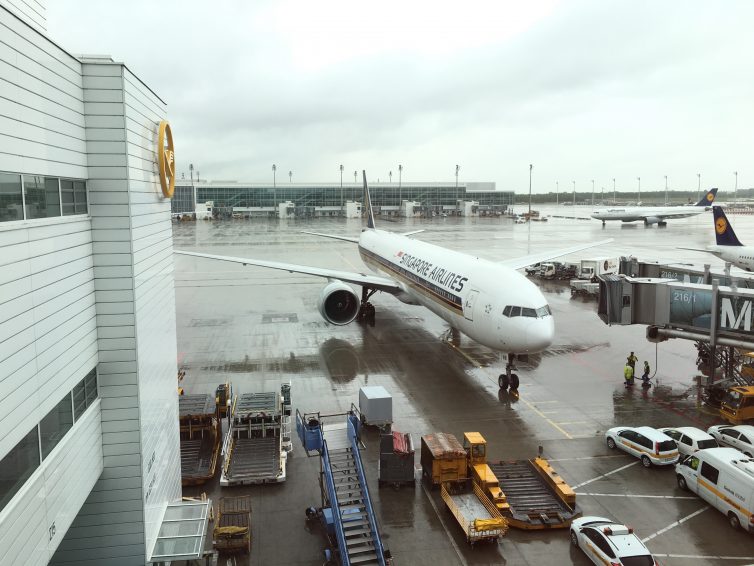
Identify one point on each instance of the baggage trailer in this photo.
(396, 463)
(232, 532)
(443, 459)
(480, 520)
(535, 496)
(200, 435)
(254, 451)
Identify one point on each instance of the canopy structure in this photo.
(182, 533)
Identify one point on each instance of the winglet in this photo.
(709, 198)
(724, 234)
(368, 203)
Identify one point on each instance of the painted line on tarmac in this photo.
(675, 524)
(545, 417)
(468, 358)
(585, 457)
(582, 484)
(633, 495)
(461, 559)
(700, 557)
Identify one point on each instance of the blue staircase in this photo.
(345, 486)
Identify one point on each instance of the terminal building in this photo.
(302, 200)
(89, 451)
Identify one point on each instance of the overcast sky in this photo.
(582, 90)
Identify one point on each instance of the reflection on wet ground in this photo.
(258, 328)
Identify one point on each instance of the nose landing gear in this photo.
(509, 379)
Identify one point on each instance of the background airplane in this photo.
(490, 302)
(655, 214)
(728, 247)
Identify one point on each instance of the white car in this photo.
(646, 443)
(607, 542)
(689, 439)
(740, 437)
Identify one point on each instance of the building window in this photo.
(53, 427)
(84, 394)
(11, 203)
(18, 465)
(79, 193)
(66, 192)
(42, 196)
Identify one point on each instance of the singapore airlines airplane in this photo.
(491, 303)
(655, 214)
(728, 247)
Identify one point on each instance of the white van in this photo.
(724, 478)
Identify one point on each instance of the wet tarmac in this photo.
(258, 328)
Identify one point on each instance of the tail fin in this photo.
(724, 233)
(368, 203)
(708, 199)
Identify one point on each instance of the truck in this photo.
(467, 485)
(592, 268)
(256, 446)
(232, 532)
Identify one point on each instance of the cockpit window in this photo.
(513, 311)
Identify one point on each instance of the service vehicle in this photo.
(740, 437)
(689, 439)
(200, 435)
(724, 478)
(593, 268)
(606, 542)
(737, 405)
(646, 443)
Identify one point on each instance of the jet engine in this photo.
(338, 303)
(651, 220)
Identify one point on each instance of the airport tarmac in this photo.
(258, 328)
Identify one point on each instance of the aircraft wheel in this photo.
(514, 382)
(502, 381)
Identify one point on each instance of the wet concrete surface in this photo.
(258, 328)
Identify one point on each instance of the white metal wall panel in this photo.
(32, 525)
(31, 11)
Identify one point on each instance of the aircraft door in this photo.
(468, 304)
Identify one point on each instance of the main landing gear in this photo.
(509, 379)
(366, 309)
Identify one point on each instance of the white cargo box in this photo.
(376, 405)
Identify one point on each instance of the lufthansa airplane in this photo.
(728, 247)
(655, 214)
(490, 302)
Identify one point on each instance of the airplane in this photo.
(490, 302)
(655, 214)
(728, 247)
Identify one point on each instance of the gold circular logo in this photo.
(721, 226)
(710, 197)
(166, 159)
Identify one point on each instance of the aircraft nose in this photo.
(539, 336)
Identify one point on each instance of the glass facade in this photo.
(40, 197)
(308, 199)
(25, 457)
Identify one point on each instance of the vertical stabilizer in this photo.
(724, 234)
(368, 203)
(708, 199)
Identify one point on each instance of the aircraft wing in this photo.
(363, 279)
(683, 212)
(519, 262)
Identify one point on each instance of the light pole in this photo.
(602, 197)
(354, 176)
(390, 174)
(530, 168)
(274, 169)
(613, 190)
(400, 186)
(639, 179)
(341, 188)
(457, 168)
(592, 192)
(698, 186)
(574, 196)
(666, 190)
(735, 188)
(290, 176)
(557, 192)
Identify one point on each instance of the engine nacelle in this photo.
(652, 220)
(338, 303)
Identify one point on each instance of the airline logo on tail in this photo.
(724, 234)
(368, 203)
(721, 225)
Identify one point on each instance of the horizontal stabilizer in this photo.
(334, 237)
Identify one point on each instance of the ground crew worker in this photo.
(645, 375)
(628, 375)
(631, 361)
